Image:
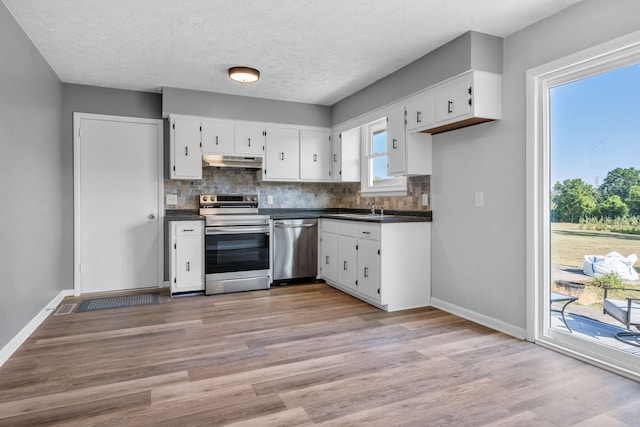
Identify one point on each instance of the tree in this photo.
(633, 201)
(573, 198)
(619, 181)
(613, 207)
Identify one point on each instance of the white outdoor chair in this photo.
(626, 312)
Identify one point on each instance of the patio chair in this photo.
(624, 311)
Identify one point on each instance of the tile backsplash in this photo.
(290, 194)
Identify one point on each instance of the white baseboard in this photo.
(481, 319)
(26, 332)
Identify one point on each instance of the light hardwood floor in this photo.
(294, 356)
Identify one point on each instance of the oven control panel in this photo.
(228, 200)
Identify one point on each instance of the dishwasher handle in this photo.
(285, 225)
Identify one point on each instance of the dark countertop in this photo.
(395, 216)
(283, 213)
(183, 215)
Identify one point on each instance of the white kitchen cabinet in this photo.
(345, 164)
(348, 262)
(281, 160)
(328, 259)
(419, 111)
(249, 139)
(408, 154)
(471, 98)
(185, 149)
(187, 256)
(218, 137)
(315, 152)
(392, 261)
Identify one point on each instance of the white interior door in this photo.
(118, 195)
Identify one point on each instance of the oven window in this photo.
(236, 252)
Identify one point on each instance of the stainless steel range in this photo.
(236, 243)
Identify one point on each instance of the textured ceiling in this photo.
(314, 51)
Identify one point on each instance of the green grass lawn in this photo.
(569, 245)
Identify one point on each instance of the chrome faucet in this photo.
(372, 207)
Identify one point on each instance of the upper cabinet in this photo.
(185, 149)
(315, 153)
(468, 99)
(281, 161)
(408, 154)
(217, 137)
(249, 140)
(345, 159)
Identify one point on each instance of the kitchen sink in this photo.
(360, 216)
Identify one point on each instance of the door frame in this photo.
(539, 80)
(77, 193)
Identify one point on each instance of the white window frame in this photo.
(608, 56)
(366, 188)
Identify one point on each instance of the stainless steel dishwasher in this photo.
(295, 250)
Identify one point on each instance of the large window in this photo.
(375, 180)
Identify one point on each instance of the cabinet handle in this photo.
(188, 266)
(418, 117)
(450, 107)
(186, 151)
(216, 140)
(187, 230)
(326, 261)
(394, 144)
(366, 232)
(344, 267)
(366, 272)
(282, 155)
(249, 142)
(335, 158)
(315, 157)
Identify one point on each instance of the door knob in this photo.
(152, 216)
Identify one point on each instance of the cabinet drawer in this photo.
(329, 226)
(369, 231)
(190, 228)
(347, 228)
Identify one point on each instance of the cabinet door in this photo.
(217, 138)
(452, 100)
(249, 140)
(396, 149)
(350, 155)
(188, 256)
(369, 269)
(315, 152)
(329, 257)
(186, 152)
(348, 261)
(281, 154)
(336, 156)
(420, 111)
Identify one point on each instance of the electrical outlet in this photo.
(269, 199)
(425, 199)
(479, 199)
(172, 199)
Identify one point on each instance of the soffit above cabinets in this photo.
(316, 52)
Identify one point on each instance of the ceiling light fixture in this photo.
(244, 74)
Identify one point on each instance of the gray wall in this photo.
(222, 106)
(479, 253)
(471, 50)
(35, 265)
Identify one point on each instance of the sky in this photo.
(595, 125)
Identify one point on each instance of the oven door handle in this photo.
(236, 230)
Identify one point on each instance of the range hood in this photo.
(224, 161)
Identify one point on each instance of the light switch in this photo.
(479, 199)
(425, 199)
(269, 199)
(172, 199)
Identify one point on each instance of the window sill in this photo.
(383, 193)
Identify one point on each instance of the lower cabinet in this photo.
(187, 256)
(387, 265)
